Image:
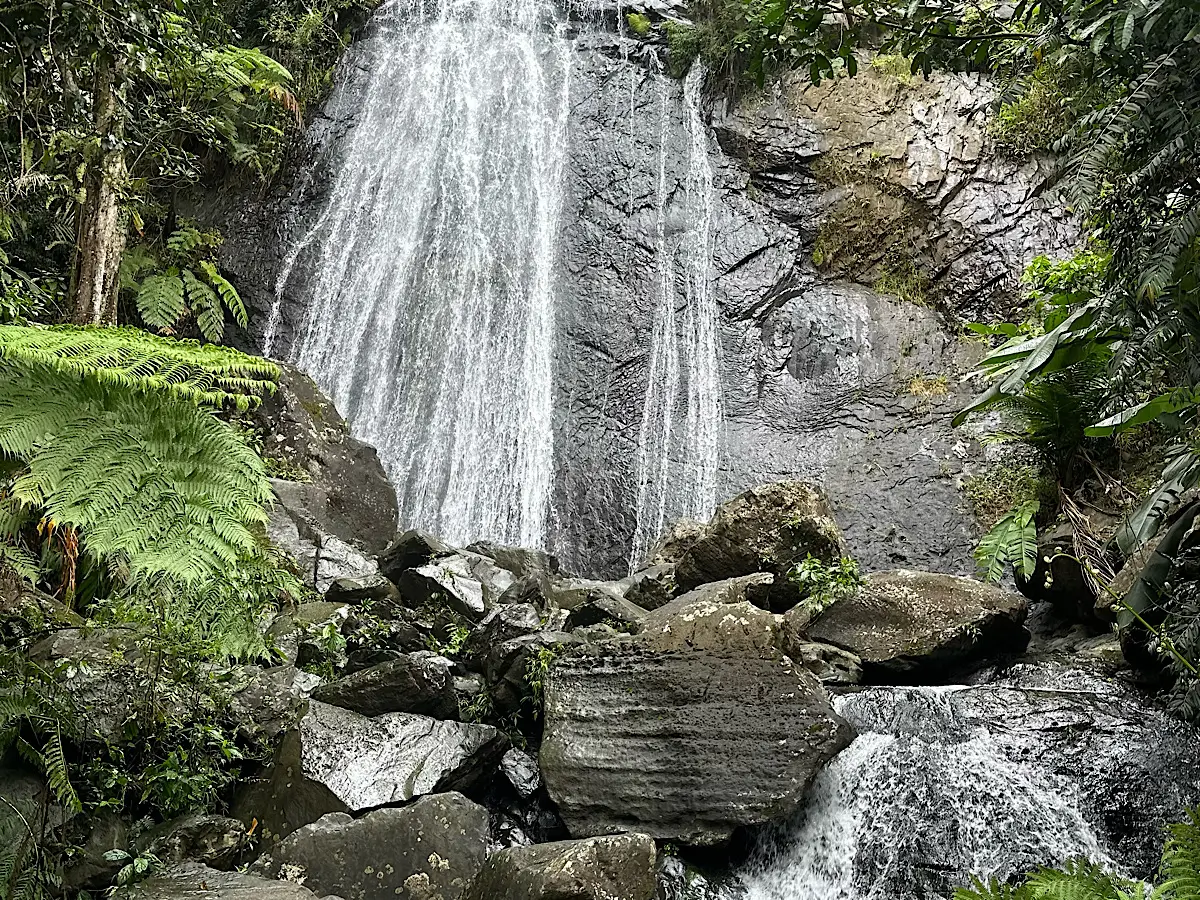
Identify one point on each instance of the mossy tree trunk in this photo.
(101, 239)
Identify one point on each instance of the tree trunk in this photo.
(101, 231)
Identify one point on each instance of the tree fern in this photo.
(153, 484)
(1180, 869)
(229, 295)
(131, 358)
(1080, 880)
(1013, 540)
(160, 300)
(992, 889)
(206, 306)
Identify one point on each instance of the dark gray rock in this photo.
(906, 622)
(92, 867)
(767, 529)
(503, 623)
(521, 561)
(347, 494)
(429, 850)
(269, 703)
(674, 542)
(292, 628)
(606, 608)
(206, 838)
(652, 587)
(522, 772)
(467, 583)
(411, 550)
(187, 881)
(571, 593)
(338, 761)
(832, 665)
(371, 640)
(507, 666)
(621, 867)
(417, 683)
(358, 590)
(683, 746)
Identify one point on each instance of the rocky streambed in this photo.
(474, 722)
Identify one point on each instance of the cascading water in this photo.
(925, 797)
(430, 311)
(677, 467)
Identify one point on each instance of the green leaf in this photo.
(1013, 539)
(160, 301)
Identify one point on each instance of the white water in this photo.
(920, 785)
(679, 437)
(430, 311)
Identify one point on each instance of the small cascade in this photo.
(924, 798)
(679, 437)
(430, 304)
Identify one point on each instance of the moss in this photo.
(904, 281)
(929, 387)
(994, 493)
(639, 24)
(684, 43)
(894, 66)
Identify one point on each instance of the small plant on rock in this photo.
(823, 584)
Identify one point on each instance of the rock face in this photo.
(190, 880)
(621, 867)
(918, 622)
(766, 529)
(338, 761)
(682, 746)
(346, 498)
(417, 683)
(430, 850)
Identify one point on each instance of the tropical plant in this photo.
(822, 583)
(1010, 541)
(1178, 876)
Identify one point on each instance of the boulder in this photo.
(522, 772)
(410, 550)
(521, 561)
(570, 593)
(336, 760)
(652, 587)
(269, 702)
(684, 746)
(619, 867)
(674, 542)
(502, 624)
(906, 622)
(831, 665)
(199, 837)
(507, 666)
(374, 588)
(766, 529)
(190, 880)
(416, 683)
(346, 494)
(602, 607)
(290, 629)
(467, 583)
(432, 848)
(715, 616)
(371, 640)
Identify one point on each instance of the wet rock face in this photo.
(194, 879)
(621, 867)
(431, 849)
(338, 761)
(924, 624)
(682, 746)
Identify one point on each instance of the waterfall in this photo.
(430, 307)
(677, 467)
(925, 796)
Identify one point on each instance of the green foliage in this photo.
(1041, 114)
(823, 584)
(135, 868)
(684, 45)
(993, 494)
(1013, 539)
(905, 282)
(453, 645)
(893, 65)
(537, 671)
(638, 23)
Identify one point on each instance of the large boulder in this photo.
(430, 849)
(197, 837)
(411, 550)
(521, 561)
(268, 702)
(507, 667)
(685, 746)
(336, 760)
(621, 867)
(416, 683)
(651, 587)
(502, 624)
(921, 623)
(188, 881)
(343, 491)
(715, 616)
(766, 529)
(467, 583)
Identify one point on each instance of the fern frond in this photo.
(1180, 869)
(1078, 880)
(131, 358)
(184, 240)
(206, 306)
(57, 775)
(160, 300)
(229, 295)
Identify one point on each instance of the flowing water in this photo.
(679, 437)
(924, 797)
(430, 314)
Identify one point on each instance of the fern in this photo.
(130, 358)
(154, 485)
(206, 306)
(229, 295)
(1013, 539)
(160, 300)
(992, 889)
(1180, 869)
(184, 240)
(1078, 880)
